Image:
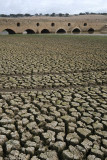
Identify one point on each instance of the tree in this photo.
(87, 13)
(53, 15)
(40, 14)
(36, 14)
(47, 14)
(82, 14)
(60, 14)
(27, 15)
(67, 15)
(3, 15)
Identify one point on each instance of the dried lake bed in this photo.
(53, 97)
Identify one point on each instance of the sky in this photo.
(52, 6)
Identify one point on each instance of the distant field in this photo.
(53, 97)
(52, 53)
(102, 18)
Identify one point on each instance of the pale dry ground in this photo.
(53, 97)
(92, 18)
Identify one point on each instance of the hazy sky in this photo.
(50, 6)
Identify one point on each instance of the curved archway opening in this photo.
(29, 31)
(76, 31)
(61, 31)
(91, 31)
(45, 31)
(8, 31)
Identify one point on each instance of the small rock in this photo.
(83, 132)
(35, 158)
(31, 144)
(30, 150)
(1, 151)
(1, 111)
(91, 157)
(36, 139)
(95, 138)
(31, 125)
(25, 121)
(97, 152)
(59, 146)
(104, 141)
(6, 121)
(73, 138)
(87, 120)
(26, 136)
(1, 158)
(3, 139)
(51, 125)
(67, 155)
(49, 155)
(87, 144)
(75, 104)
(104, 150)
(49, 136)
(68, 118)
(4, 131)
(12, 144)
(10, 127)
(81, 149)
(60, 136)
(40, 118)
(76, 153)
(16, 155)
(97, 125)
(15, 135)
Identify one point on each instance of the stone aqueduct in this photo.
(74, 24)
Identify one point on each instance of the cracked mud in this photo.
(53, 97)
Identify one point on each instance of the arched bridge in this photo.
(73, 24)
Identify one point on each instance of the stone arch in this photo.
(9, 31)
(45, 31)
(61, 31)
(29, 31)
(76, 31)
(91, 31)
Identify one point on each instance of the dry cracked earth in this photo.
(53, 97)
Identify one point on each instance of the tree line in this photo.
(51, 15)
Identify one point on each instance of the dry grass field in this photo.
(53, 97)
